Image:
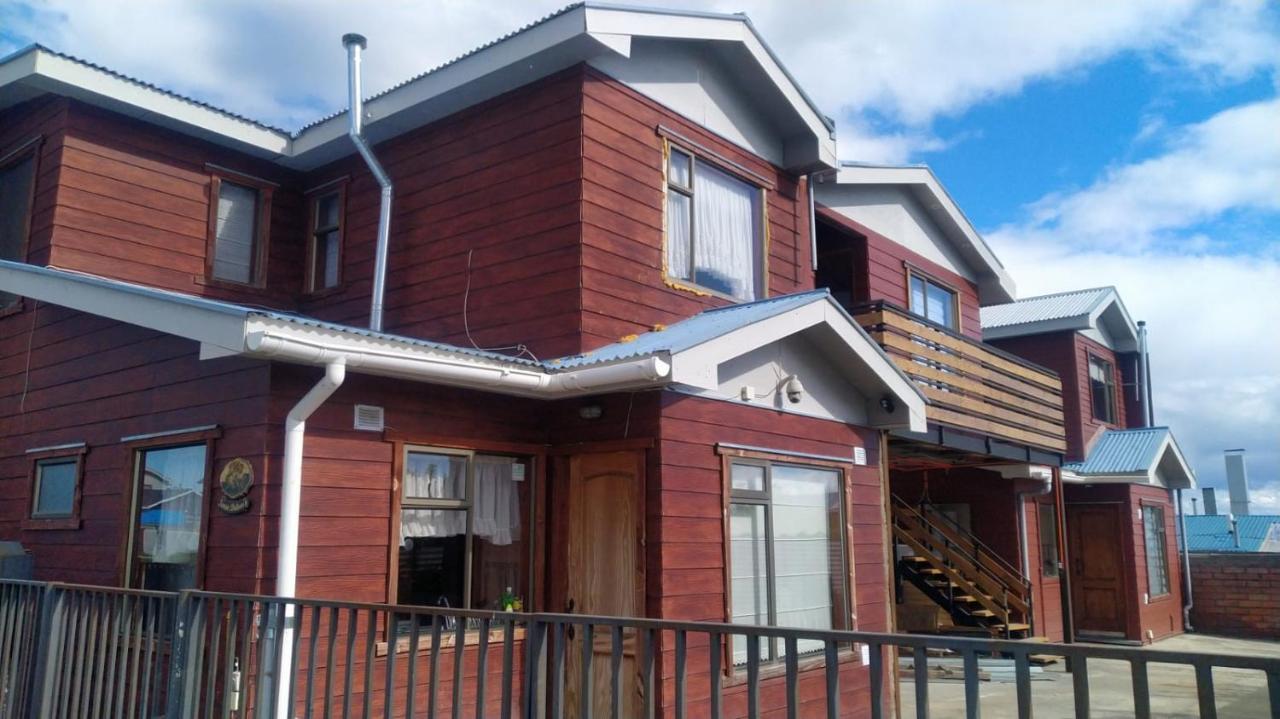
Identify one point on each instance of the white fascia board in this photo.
(1108, 300)
(507, 52)
(697, 366)
(962, 232)
(1170, 448)
(640, 22)
(75, 79)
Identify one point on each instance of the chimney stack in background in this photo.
(1210, 502)
(1237, 482)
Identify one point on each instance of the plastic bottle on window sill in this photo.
(507, 600)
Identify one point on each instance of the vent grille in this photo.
(369, 418)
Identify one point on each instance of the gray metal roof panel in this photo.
(1062, 305)
(1122, 451)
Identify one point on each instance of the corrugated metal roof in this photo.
(1212, 533)
(1077, 303)
(700, 328)
(1122, 451)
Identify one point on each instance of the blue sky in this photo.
(1134, 144)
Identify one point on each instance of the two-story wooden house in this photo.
(1122, 474)
(976, 499)
(600, 379)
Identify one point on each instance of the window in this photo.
(714, 228)
(17, 183)
(1048, 539)
(54, 490)
(238, 231)
(1157, 557)
(787, 551)
(325, 249)
(168, 517)
(464, 529)
(1102, 389)
(933, 301)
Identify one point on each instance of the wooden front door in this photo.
(1098, 580)
(604, 568)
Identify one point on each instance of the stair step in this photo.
(982, 613)
(914, 559)
(1012, 626)
(930, 570)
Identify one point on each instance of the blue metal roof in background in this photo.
(1122, 451)
(702, 327)
(1212, 533)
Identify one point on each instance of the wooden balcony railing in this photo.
(971, 385)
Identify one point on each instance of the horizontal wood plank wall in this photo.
(689, 560)
(1057, 351)
(887, 263)
(497, 184)
(1090, 427)
(623, 288)
(94, 381)
(46, 118)
(133, 204)
(1161, 615)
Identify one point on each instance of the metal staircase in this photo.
(959, 573)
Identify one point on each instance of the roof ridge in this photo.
(1064, 293)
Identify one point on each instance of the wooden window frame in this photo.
(1113, 411)
(1143, 506)
(912, 271)
(535, 458)
(1053, 512)
(698, 153)
(52, 455)
(261, 234)
(313, 196)
(207, 436)
(730, 456)
(29, 147)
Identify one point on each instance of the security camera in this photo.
(795, 390)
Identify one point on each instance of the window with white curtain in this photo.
(787, 551)
(235, 244)
(714, 228)
(464, 534)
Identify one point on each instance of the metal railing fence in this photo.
(77, 651)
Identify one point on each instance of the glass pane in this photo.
(807, 550)
(679, 235)
(727, 252)
(325, 274)
(917, 296)
(327, 211)
(15, 207)
(170, 506)
(941, 305)
(233, 248)
(56, 489)
(749, 477)
(678, 169)
(1048, 540)
(435, 476)
(433, 553)
(749, 580)
(1157, 567)
(500, 535)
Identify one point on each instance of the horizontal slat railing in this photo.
(971, 385)
(225, 655)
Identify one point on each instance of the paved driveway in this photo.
(1241, 694)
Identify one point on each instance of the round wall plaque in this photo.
(235, 481)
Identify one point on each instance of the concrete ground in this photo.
(1241, 694)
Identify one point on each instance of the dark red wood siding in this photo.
(44, 120)
(624, 290)
(887, 263)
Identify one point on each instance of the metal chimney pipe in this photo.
(355, 44)
(1148, 413)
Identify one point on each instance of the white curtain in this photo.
(727, 249)
(806, 557)
(233, 246)
(497, 503)
(679, 215)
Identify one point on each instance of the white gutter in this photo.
(295, 428)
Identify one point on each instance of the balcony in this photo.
(971, 386)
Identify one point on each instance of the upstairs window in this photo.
(237, 229)
(54, 493)
(1102, 389)
(933, 300)
(1157, 556)
(17, 185)
(715, 228)
(324, 251)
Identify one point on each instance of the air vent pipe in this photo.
(355, 44)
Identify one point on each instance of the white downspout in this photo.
(295, 428)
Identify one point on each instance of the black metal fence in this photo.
(75, 651)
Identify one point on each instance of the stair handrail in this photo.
(1001, 612)
(929, 513)
(1022, 591)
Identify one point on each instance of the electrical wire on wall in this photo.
(520, 349)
